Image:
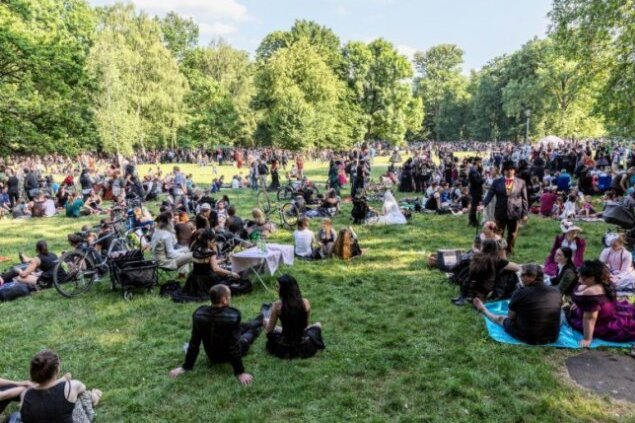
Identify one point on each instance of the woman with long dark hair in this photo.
(206, 271)
(566, 275)
(595, 311)
(486, 268)
(295, 338)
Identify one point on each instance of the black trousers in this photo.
(13, 198)
(474, 202)
(249, 331)
(509, 228)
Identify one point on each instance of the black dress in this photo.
(296, 339)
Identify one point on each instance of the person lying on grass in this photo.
(296, 338)
(53, 399)
(534, 310)
(224, 337)
(39, 271)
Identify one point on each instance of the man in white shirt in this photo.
(304, 238)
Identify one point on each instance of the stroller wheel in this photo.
(127, 295)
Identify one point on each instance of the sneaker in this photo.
(460, 301)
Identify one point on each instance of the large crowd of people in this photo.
(196, 229)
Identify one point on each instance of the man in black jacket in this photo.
(31, 185)
(224, 338)
(475, 177)
(511, 203)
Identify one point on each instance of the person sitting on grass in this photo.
(296, 338)
(53, 399)
(490, 232)
(486, 269)
(595, 311)
(166, 250)
(92, 204)
(11, 391)
(326, 237)
(304, 240)
(620, 263)
(346, 244)
(566, 277)
(258, 226)
(534, 310)
(224, 337)
(570, 238)
(206, 271)
(74, 205)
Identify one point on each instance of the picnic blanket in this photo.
(569, 338)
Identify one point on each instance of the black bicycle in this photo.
(290, 190)
(78, 270)
(288, 213)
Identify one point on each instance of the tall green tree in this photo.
(439, 83)
(219, 103)
(44, 102)
(379, 78)
(179, 34)
(298, 96)
(601, 35)
(152, 86)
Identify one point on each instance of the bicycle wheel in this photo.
(74, 274)
(118, 246)
(289, 215)
(264, 203)
(285, 194)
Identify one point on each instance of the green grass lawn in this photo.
(397, 349)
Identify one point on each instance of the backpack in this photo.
(262, 169)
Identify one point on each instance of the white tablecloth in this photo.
(288, 252)
(276, 255)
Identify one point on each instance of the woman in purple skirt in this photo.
(595, 311)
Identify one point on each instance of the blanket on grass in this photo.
(569, 338)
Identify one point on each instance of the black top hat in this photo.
(509, 165)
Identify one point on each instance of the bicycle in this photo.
(78, 270)
(290, 190)
(288, 213)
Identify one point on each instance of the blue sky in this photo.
(482, 28)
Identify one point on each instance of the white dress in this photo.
(392, 213)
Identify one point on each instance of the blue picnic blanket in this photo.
(569, 338)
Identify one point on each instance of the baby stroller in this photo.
(616, 213)
(131, 271)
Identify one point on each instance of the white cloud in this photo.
(197, 9)
(407, 51)
(214, 17)
(216, 28)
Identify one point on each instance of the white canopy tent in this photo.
(550, 140)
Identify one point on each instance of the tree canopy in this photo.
(113, 79)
